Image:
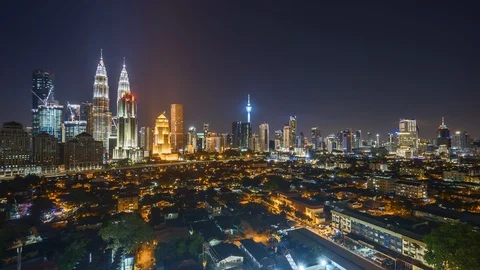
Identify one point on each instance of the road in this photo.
(344, 252)
(134, 167)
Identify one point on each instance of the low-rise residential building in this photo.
(257, 254)
(225, 256)
(411, 189)
(127, 203)
(388, 233)
(311, 208)
(381, 184)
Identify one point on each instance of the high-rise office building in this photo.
(278, 142)
(391, 145)
(443, 135)
(42, 88)
(86, 114)
(206, 129)
(102, 117)
(161, 137)
(201, 142)
(74, 128)
(317, 140)
(255, 143)
(73, 124)
(347, 141)
(461, 141)
(127, 129)
(357, 139)
(176, 118)
(213, 143)
(237, 134)
(264, 137)
(293, 131)
(332, 143)
(15, 149)
(246, 135)
(192, 140)
(287, 137)
(47, 115)
(48, 118)
(407, 138)
(146, 141)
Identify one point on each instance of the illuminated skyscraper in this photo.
(264, 137)
(42, 88)
(48, 118)
(146, 141)
(161, 137)
(357, 139)
(407, 138)
(73, 124)
(206, 129)
(246, 135)
(102, 116)
(287, 143)
(461, 141)
(293, 131)
(176, 114)
(15, 149)
(249, 109)
(47, 115)
(278, 140)
(347, 141)
(127, 130)
(255, 143)
(86, 114)
(443, 135)
(192, 140)
(236, 134)
(316, 139)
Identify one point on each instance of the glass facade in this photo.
(48, 118)
(73, 128)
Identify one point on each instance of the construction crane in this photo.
(72, 114)
(44, 101)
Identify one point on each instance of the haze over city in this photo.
(335, 66)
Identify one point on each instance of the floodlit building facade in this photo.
(102, 117)
(407, 138)
(161, 139)
(48, 118)
(176, 135)
(127, 128)
(15, 151)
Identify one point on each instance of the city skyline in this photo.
(351, 75)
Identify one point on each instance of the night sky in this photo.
(336, 66)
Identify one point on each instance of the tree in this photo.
(195, 243)
(72, 254)
(40, 206)
(130, 232)
(453, 246)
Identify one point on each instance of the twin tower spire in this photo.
(102, 79)
(124, 122)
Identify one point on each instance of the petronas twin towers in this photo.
(126, 119)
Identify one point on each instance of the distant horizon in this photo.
(334, 66)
